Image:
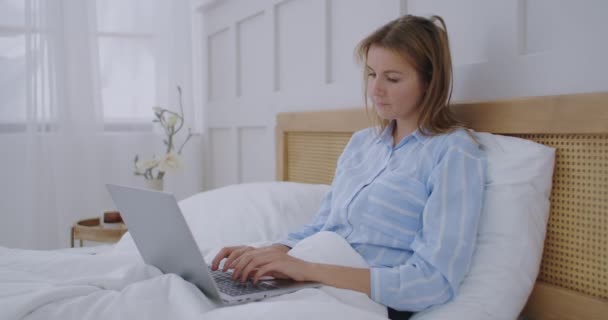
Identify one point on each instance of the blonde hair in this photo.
(424, 44)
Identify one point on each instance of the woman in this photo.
(407, 197)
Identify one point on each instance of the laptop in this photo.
(164, 240)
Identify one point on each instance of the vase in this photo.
(154, 184)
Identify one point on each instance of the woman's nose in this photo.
(376, 87)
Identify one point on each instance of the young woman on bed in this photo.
(406, 196)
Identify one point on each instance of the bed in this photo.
(572, 282)
(573, 278)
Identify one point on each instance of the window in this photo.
(127, 59)
(12, 62)
(125, 38)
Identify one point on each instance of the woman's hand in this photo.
(271, 263)
(249, 262)
(234, 253)
(254, 263)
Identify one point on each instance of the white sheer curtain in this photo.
(90, 67)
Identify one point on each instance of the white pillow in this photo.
(246, 213)
(511, 233)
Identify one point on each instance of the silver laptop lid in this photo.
(162, 236)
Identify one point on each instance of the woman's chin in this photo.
(384, 115)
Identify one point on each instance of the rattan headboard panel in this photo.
(575, 255)
(311, 156)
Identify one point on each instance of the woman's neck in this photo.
(402, 129)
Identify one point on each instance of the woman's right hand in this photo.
(233, 253)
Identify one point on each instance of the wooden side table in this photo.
(92, 230)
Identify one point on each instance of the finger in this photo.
(278, 275)
(264, 270)
(220, 255)
(255, 263)
(247, 270)
(245, 252)
(231, 264)
(233, 255)
(272, 268)
(236, 260)
(241, 264)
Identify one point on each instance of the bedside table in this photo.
(92, 230)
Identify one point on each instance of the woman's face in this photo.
(394, 85)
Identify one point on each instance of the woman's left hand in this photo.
(275, 264)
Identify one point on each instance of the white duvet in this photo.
(116, 284)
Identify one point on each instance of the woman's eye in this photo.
(371, 74)
(392, 80)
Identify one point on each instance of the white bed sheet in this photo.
(118, 285)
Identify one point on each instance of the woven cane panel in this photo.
(576, 246)
(311, 156)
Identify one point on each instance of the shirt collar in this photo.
(386, 137)
(420, 136)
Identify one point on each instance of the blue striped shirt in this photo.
(410, 210)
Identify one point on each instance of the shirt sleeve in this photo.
(444, 245)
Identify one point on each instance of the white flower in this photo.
(171, 121)
(142, 166)
(165, 122)
(169, 162)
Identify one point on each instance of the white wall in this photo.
(267, 56)
(515, 48)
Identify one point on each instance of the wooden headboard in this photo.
(573, 279)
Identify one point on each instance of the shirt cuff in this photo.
(374, 283)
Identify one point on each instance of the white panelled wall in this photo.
(261, 57)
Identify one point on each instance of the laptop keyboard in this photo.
(235, 288)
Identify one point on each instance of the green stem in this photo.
(183, 144)
(170, 142)
(181, 110)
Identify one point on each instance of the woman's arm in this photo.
(357, 279)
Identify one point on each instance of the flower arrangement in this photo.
(171, 123)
